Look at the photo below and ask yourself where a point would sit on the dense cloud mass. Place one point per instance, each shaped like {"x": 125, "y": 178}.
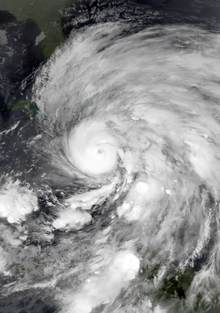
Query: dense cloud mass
{"x": 139, "y": 118}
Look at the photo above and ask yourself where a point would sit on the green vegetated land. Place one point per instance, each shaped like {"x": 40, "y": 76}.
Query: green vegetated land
{"x": 27, "y": 106}
{"x": 47, "y": 14}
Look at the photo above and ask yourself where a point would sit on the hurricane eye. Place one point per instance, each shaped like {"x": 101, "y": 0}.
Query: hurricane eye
{"x": 99, "y": 151}
{"x": 93, "y": 148}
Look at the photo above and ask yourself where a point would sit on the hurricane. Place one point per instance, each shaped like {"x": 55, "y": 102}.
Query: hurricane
{"x": 125, "y": 206}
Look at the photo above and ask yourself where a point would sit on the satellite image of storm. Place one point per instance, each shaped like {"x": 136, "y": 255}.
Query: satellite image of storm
{"x": 109, "y": 156}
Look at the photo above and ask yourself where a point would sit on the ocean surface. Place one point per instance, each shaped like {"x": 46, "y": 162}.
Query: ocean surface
{"x": 110, "y": 158}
